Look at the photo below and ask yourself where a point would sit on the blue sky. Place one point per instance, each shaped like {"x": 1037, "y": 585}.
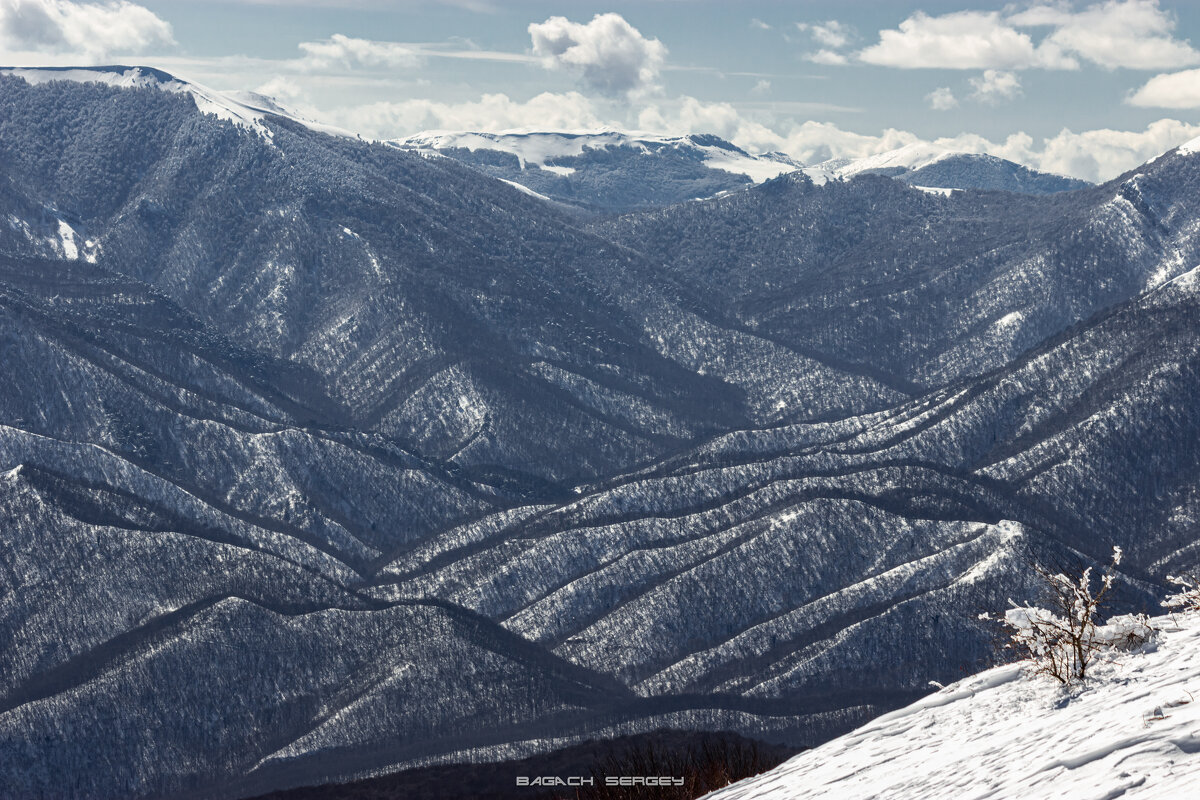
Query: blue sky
{"x": 1082, "y": 88}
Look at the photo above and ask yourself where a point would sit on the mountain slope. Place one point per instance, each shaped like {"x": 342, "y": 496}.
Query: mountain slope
{"x": 1133, "y": 731}
{"x": 430, "y": 304}
{"x": 918, "y": 289}
{"x": 973, "y": 171}
{"x": 282, "y": 398}
{"x": 607, "y": 171}
{"x": 931, "y": 166}
{"x": 805, "y": 553}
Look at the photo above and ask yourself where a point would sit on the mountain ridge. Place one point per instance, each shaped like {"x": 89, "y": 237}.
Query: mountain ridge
{"x": 696, "y": 467}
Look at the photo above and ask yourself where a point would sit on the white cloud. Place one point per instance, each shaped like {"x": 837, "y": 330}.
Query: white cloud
{"x": 471, "y": 5}
{"x": 689, "y": 115}
{"x": 610, "y": 55}
{"x": 994, "y": 86}
{"x": 1134, "y": 34}
{"x": 344, "y": 51}
{"x": 1096, "y": 155}
{"x": 758, "y": 24}
{"x": 341, "y": 54}
{"x": 1103, "y": 154}
{"x": 831, "y": 34}
{"x": 763, "y": 87}
{"x": 1173, "y": 90}
{"x": 941, "y": 99}
{"x": 961, "y": 40}
{"x": 1131, "y": 34}
{"x": 492, "y": 112}
{"x": 813, "y": 142}
{"x": 827, "y": 57}
{"x": 92, "y": 30}
{"x": 281, "y": 88}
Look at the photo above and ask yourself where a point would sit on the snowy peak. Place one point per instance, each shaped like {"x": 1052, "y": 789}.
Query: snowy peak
{"x": 608, "y": 170}
{"x": 908, "y": 158}
{"x": 620, "y": 171}
{"x": 979, "y": 171}
{"x": 246, "y": 109}
{"x": 1132, "y": 731}
{"x": 123, "y": 77}
{"x": 925, "y": 165}
{"x": 543, "y": 149}
{"x": 1187, "y": 148}
{"x": 116, "y": 75}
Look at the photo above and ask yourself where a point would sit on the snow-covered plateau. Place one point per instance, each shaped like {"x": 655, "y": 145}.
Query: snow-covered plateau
{"x": 1132, "y": 730}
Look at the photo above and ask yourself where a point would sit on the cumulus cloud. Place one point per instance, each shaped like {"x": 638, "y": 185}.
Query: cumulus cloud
{"x": 281, "y": 88}
{"x": 831, "y": 34}
{"x": 961, "y": 40}
{"x": 994, "y": 86}
{"x": 689, "y": 115}
{"x": 941, "y": 99}
{"x": 1103, "y": 154}
{"x": 831, "y": 37}
{"x": 492, "y": 112}
{"x": 831, "y": 57}
{"x": 1134, "y": 34}
{"x": 758, "y": 24}
{"x": 343, "y": 51}
{"x": 610, "y": 55}
{"x": 1172, "y": 90}
{"x": 1096, "y": 155}
{"x": 90, "y": 30}
{"x": 813, "y": 142}
{"x": 1131, "y": 34}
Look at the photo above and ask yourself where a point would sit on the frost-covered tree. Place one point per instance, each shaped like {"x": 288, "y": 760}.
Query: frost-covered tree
{"x": 1188, "y": 596}
{"x": 1064, "y": 640}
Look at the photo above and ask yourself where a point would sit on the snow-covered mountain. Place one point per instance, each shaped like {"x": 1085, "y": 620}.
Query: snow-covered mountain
{"x": 607, "y": 170}
{"x": 1133, "y": 731}
{"x": 612, "y": 171}
{"x": 247, "y": 109}
{"x": 926, "y": 165}
{"x": 502, "y": 477}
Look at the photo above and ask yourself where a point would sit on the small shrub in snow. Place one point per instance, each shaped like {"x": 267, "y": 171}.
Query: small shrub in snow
{"x": 1126, "y": 632}
{"x": 1063, "y": 641}
{"x": 1188, "y": 596}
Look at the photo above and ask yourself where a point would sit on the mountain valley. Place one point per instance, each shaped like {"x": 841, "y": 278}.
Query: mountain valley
{"x": 322, "y": 458}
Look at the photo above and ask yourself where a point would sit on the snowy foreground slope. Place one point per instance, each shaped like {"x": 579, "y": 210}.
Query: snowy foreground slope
{"x": 1132, "y": 731}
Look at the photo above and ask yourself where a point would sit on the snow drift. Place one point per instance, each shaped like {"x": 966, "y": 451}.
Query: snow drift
{"x": 1132, "y": 730}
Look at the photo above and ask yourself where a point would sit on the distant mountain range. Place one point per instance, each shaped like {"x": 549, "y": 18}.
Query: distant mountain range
{"x": 322, "y": 457}
{"x": 611, "y": 171}
{"x": 607, "y": 171}
{"x": 925, "y": 165}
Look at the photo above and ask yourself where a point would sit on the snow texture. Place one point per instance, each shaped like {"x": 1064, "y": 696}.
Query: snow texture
{"x": 1133, "y": 731}
{"x": 934, "y": 169}
{"x": 321, "y": 408}
{"x": 535, "y": 149}
{"x": 245, "y": 109}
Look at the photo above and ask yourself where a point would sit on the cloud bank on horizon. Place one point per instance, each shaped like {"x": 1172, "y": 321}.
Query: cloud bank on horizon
{"x": 611, "y": 75}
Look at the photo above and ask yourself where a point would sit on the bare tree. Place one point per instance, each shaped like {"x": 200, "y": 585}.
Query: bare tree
{"x": 1062, "y": 640}
{"x": 1188, "y": 596}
